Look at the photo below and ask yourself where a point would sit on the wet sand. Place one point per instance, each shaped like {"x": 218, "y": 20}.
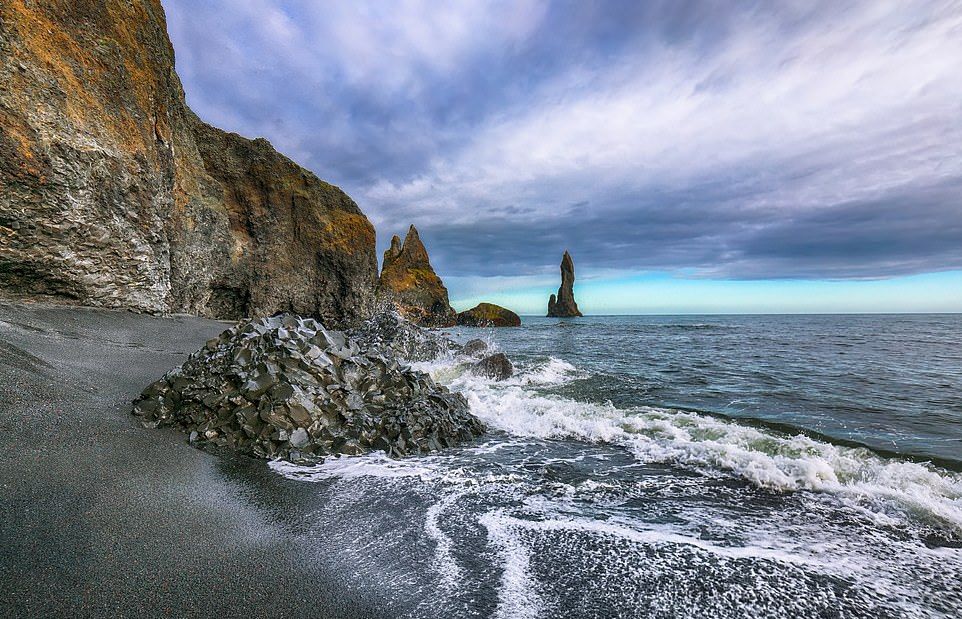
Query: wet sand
{"x": 101, "y": 517}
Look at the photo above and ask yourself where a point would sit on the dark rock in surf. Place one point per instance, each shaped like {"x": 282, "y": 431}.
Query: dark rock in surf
{"x": 564, "y": 306}
{"x": 496, "y": 366}
{"x": 285, "y": 387}
{"x": 488, "y": 315}
{"x": 474, "y": 348}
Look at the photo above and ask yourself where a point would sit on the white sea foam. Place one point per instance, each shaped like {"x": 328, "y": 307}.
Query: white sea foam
{"x": 883, "y": 488}
{"x": 374, "y": 464}
{"x": 444, "y": 562}
{"x": 770, "y": 460}
{"x": 517, "y": 597}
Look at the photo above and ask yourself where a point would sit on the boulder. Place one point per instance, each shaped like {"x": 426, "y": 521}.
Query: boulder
{"x": 474, "y": 348}
{"x": 488, "y": 315}
{"x": 564, "y": 305}
{"x": 408, "y": 282}
{"x": 496, "y": 366}
{"x": 285, "y": 387}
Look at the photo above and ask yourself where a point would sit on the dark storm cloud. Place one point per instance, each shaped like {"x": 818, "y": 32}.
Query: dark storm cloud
{"x": 748, "y": 140}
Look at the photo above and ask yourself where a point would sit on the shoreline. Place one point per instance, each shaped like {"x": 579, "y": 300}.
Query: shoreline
{"x": 101, "y": 516}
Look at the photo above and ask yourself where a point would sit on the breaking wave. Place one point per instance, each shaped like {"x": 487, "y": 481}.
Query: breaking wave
{"x": 886, "y": 487}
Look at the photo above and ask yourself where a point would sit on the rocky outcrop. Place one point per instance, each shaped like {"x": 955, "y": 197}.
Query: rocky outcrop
{"x": 564, "y": 305}
{"x": 284, "y": 387}
{"x": 114, "y": 194}
{"x": 488, "y": 315}
{"x": 387, "y": 333}
{"x": 409, "y": 283}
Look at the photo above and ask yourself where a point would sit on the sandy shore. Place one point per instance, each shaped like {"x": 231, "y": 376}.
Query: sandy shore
{"x": 101, "y": 517}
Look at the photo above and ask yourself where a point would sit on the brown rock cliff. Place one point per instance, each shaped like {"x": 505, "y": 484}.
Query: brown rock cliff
{"x": 114, "y": 194}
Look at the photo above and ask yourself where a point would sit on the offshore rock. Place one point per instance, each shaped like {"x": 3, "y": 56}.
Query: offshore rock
{"x": 114, "y": 194}
{"x": 496, "y": 366}
{"x": 389, "y": 333}
{"x": 488, "y": 315}
{"x": 564, "y": 306}
{"x": 285, "y": 387}
{"x": 409, "y": 282}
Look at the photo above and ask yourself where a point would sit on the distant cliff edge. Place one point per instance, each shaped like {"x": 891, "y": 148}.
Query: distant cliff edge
{"x": 114, "y": 194}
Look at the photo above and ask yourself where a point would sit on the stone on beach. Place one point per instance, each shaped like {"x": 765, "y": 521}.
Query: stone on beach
{"x": 285, "y": 387}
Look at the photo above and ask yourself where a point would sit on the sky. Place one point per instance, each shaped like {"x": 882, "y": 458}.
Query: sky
{"x": 796, "y": 156}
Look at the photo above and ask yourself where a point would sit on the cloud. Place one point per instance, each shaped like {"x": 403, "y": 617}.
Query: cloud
{"x": 748, "y": 140}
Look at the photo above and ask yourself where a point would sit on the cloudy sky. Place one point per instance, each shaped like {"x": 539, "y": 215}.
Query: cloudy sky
{"x": 692, "y": 156}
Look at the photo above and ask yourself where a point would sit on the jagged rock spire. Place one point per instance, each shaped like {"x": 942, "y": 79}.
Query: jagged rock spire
{"x": 564, "y": 304}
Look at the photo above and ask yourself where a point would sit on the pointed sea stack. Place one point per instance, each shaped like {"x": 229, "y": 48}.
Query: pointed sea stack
{"x": 564, "y": 306}
{"x": 409, "y": 281}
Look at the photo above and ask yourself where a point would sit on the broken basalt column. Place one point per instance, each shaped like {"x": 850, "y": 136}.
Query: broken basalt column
{"x": 564, "y": 305}
{"x": 388, "y": 333}
{"x": 284, "y": 387}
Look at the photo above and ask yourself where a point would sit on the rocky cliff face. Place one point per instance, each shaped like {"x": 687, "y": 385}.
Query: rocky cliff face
{"x": 113, "y": 193}
{"x": 409, "y": 282}
{"x": 564, "y": 305}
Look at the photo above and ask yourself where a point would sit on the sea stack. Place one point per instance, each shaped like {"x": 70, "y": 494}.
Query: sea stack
{"x": 410, "y": 283}
{"x": 564, "y": 305}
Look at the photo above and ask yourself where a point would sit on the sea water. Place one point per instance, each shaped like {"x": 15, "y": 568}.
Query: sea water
{"x": 663, "y": 466}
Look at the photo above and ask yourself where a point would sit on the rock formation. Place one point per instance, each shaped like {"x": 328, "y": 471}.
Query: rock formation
{"x": 113, "y": 193}
{"x": 474, "y": 348}
{"x": 564, "y": 306}
{"x": 389, "y": 334}
{"x": 284, "y": 387}
{"x": 410, "y": 283}
{"x": 496, "y": 366}
{"x": 488, "y": 315}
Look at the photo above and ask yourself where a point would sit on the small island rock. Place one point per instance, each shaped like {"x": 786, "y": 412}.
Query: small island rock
{"x": 488, "y": 315}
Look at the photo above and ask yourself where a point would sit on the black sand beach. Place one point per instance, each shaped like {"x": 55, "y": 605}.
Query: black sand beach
{"x": 101, "y": 517}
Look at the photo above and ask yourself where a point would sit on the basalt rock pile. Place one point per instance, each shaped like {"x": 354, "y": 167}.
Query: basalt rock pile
{"x": 284, "y": 387}
{"x": 390, "y": 334}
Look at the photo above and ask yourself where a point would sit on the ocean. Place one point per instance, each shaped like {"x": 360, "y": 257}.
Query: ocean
{"x": 675, "y": 466}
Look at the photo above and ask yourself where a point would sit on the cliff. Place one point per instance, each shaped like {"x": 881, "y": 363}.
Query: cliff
{"x": 408, "y": 281}
{"x": 114, "y": 194}
{"x": 564, "y": 305}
